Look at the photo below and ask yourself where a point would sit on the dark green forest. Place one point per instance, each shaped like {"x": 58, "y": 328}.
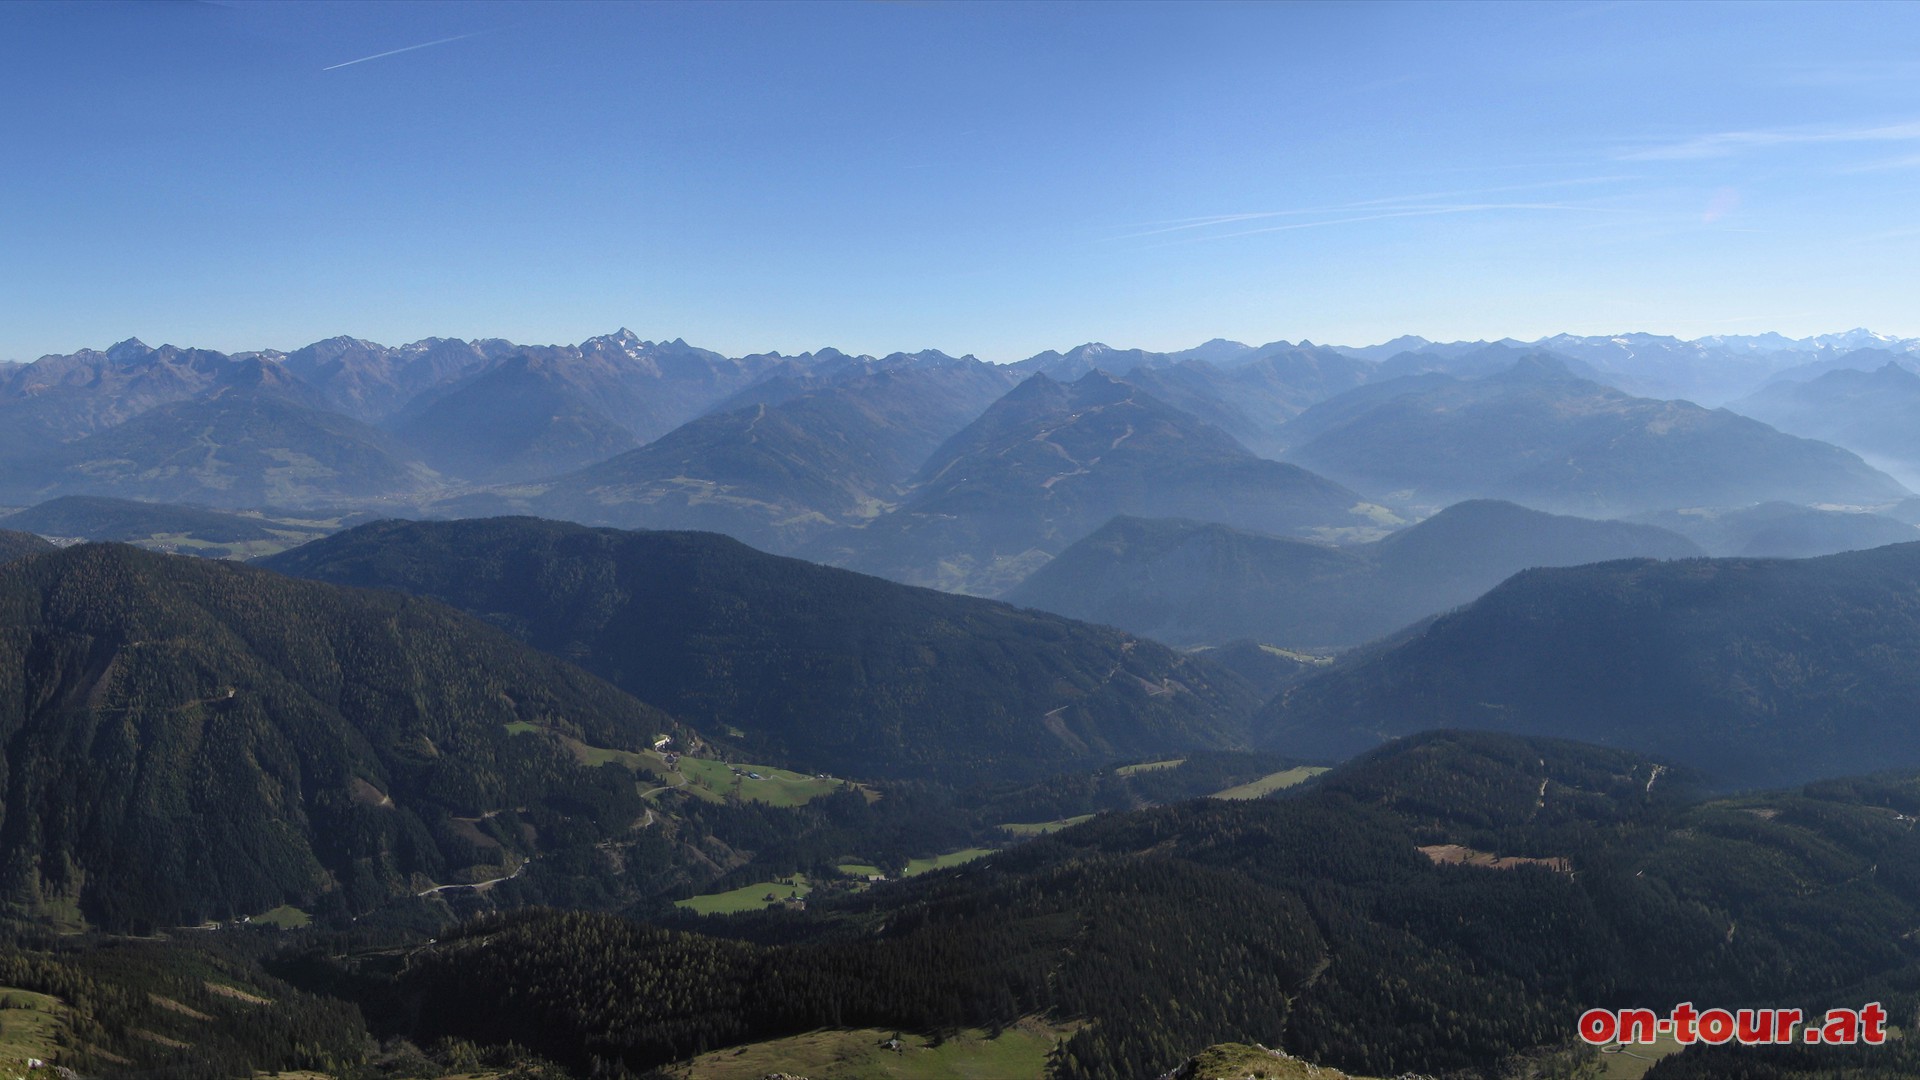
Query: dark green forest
{"x": 1758, "y": 672}
{"x": 193, "y": 746}
{"x": 1313, "y": 922}
{"x": 819, "y": 668}
{"x": 190, "y": 740}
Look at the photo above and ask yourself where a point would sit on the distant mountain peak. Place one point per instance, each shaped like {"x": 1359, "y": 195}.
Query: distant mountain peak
{"x": 1037, "y": 383}
{"x": 1099, "y": 380}
{"x": 622, "y": 340}
{"x": 1218, "y": 351}
{"x": 255, "y": 373}
{"x": 131, "y": 349}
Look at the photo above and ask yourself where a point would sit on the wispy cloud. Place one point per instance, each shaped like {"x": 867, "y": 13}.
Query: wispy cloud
{"x": 1729, "y": 143}
{"x": 397, "y": 52}
{"x": 1408, "y": 212}
{"x": 1425, "y": 204}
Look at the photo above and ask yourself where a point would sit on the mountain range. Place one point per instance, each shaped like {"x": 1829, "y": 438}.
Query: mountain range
{"x": 1051, "y": 461}
{"x": 955, "y": 473}
{"x": 788, "y": 459}
{"x": 1868, "y": 412}
{"x": 1710, "y": 370}
{"x": 1539, "y": 435}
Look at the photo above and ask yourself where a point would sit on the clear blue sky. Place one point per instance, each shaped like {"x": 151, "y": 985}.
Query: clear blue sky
{"x": 984, "y": 178}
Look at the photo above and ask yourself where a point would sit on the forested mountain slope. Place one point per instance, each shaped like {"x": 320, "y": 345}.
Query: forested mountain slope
{"x": 822, "y": 668}
{"x": 14, "y": 544}
{"x": 1756, "y": 671}
{"x": 1193, "y": 583}
{"x": 191, "y": 739}
{"x": 1360, "y": 925}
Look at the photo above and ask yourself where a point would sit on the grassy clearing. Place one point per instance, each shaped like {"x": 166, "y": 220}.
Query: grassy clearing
{"x": 1633, "y": 1062}
{"x": 707, "y": 778}
{"x": 595, "y": 756}
{"x": 30, "y": 1027}
{"x": 521, "y": 727}
{"x": 749, "y": 897}
{"x": 1297, "y": 657}
{"x": 1149, "y": 766}
{"x": 1018, "y": 1053}
{"x": 182, "y": 544}
{"x": 775, "y": 787}
{"x": 1041, "y": 828}
{"x": 859, "y": 870}
{"x": 1271, "y": 783}
{"x": 941, "y": 862}
{"x": 286, "y": 917}
{"x": 1241, "y": 1060}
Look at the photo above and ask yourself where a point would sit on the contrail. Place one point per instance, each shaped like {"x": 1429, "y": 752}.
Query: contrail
{"x": 397, "y": 52}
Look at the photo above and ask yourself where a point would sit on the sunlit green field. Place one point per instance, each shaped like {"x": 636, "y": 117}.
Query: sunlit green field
{"x": 286, "y": 917}
{"x": 1017, "y": 1053}
{"x": 1149, "y": 766}
{"x": 30, "y": 1027}
{"x": 1041, "y": 828}
{"x": 748, "y": 897}
{"x": 703, "y": 778}
{"x": 1271, "y": 783}
{"x": 941, "y": 862}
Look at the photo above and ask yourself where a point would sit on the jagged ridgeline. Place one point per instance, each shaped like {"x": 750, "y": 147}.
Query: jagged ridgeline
{"x": 189, "y": 739}
{"x": 821, "y": 668}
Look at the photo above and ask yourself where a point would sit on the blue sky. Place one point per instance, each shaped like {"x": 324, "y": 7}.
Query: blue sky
{"x": 985, "y": 178}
